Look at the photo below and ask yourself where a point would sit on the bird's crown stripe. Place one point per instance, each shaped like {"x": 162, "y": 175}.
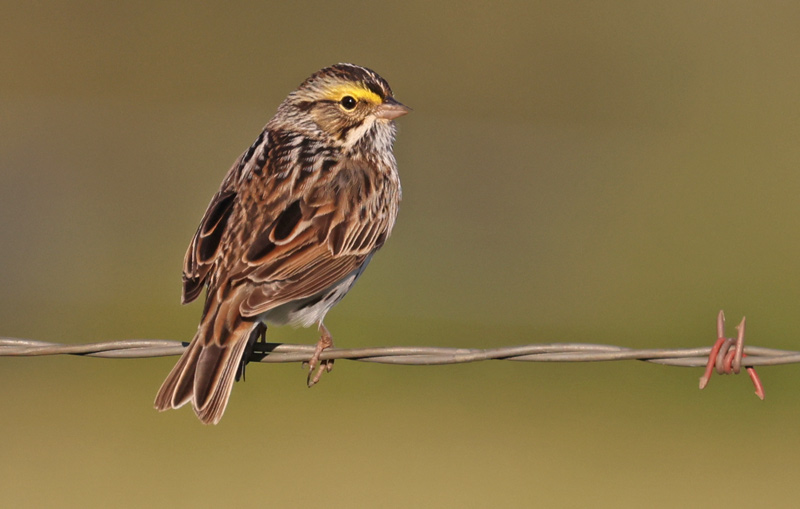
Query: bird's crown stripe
{"x": 357, "y": 92}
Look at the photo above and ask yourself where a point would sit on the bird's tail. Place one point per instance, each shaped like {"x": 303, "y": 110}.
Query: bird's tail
{"x": 207, "y": 369}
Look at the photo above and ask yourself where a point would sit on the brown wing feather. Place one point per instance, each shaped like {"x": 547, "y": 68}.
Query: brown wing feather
{"x": 323, "y": 233}
{"x": 204, "y": 249}
{"x": 301, "y": 239}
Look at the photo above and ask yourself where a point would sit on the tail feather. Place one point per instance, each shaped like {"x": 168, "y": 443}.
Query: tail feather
{"x": 211, "y": 407}
{"x": 207, "y": 369}
{"x": 176, "y": 390}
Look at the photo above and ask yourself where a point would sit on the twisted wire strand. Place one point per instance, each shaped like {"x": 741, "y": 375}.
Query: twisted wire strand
{"x": 405, "y": 355}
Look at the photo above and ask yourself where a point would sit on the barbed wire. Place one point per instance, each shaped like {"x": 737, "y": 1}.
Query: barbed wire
{"x": 407, "y": 355}
{"x": 727, "y": 355}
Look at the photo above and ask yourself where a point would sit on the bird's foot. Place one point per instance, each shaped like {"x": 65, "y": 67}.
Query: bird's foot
{"x": 257, "y": 336}
{"x": 315, "y": 364}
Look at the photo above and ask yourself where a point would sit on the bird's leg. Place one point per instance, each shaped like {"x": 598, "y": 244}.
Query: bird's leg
{"x": 257, "y": 335}
{"x": 325, "y": 341}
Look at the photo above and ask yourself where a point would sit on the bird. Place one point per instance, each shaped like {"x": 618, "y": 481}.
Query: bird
{"x": 293, "y": 225}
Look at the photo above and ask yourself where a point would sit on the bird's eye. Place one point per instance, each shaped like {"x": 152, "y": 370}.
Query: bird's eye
{"x": 348, "y": 102}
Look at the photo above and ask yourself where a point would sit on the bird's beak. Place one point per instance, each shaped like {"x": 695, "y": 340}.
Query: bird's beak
{"x": 391, "y": 109}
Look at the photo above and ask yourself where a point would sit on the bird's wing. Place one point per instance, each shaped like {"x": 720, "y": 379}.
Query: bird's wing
{"x": 319, "y": 236}
{"x": 205, "y": 248}
{"x": 298, "y": 233}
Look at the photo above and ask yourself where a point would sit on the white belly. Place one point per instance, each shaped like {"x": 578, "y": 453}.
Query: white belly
{"x": 312, "y": 310}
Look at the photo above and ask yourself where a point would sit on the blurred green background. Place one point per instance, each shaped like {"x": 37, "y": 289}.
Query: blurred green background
{"x": 610, "y": 172}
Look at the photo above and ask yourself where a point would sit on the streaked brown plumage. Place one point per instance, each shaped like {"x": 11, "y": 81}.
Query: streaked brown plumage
{"x": 295, "y": 222}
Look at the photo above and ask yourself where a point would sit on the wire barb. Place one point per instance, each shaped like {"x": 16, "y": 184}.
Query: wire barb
{"x": 728, "y": 360}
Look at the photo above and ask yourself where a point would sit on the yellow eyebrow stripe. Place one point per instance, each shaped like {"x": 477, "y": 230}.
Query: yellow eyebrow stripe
{"x": 362, "y": 94}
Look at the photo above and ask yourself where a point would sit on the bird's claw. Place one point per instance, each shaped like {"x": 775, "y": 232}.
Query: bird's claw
{"x": 316, "y": 366}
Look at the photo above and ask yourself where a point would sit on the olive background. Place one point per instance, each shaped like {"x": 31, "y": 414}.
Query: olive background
{"x": 604, "y": 172}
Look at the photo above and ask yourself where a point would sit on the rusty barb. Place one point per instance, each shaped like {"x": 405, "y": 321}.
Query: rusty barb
{"x": 726, "y": 356}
